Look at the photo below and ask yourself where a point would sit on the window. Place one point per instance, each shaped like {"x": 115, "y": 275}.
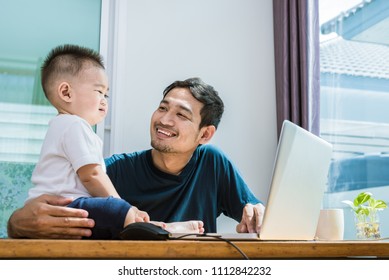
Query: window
{"x": 29, "y": 29}
{"x": 354, "y": 87}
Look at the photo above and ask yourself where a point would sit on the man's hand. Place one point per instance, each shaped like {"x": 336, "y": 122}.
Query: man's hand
{"x": 251, "y": 218}
{"x": 46, "y": 217}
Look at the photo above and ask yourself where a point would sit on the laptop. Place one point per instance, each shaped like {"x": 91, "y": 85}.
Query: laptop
{"x": 298, "y": 183}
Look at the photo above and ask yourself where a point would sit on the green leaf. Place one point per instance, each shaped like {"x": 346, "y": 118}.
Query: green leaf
{"x": 380, "y": 204}
{"x": 362, "y": 198}
{"x": 363, "y": 211}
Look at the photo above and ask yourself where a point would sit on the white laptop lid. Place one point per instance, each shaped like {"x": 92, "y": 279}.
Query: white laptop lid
{"x": 298, "y": 183}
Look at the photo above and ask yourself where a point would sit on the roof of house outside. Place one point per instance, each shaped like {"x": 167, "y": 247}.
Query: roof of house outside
{"x": 365, "y": 22}
{"x": 333, "y": 25}
{"x": 361, "y": 59}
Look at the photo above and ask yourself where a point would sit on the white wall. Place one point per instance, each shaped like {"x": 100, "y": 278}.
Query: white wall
{"x": 229, "y": 44}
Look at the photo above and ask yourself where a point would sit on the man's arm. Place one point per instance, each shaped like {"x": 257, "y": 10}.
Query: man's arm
{"x": 45, "y": 217}
{"x": 252, "y": 218}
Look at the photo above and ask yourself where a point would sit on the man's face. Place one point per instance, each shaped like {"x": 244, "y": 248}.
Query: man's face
{"x": 175, "y": 124}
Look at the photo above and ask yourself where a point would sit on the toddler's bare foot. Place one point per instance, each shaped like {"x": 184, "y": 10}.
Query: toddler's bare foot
{"x": 160, "y": 224}
{"x": 185, "y": 227}
{"x": 135, "y": 215}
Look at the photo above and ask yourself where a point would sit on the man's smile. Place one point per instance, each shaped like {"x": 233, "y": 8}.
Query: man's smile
{"x": 165, "y": 132}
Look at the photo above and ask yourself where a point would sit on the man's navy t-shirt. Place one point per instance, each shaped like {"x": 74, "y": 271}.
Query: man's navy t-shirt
{"x": 208, "y": 185}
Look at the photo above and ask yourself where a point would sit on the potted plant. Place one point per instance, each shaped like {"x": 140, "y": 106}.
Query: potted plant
{"x": 365, "y": 209}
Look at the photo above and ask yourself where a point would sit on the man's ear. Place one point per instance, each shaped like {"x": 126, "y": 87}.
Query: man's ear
{"x": 207, "y": 133}
{"x": 64, "y": 92}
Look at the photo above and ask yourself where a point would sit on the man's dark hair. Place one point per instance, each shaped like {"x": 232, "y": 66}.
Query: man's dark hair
{"x": 213, "y": 108}
{"x": 67, "y": 59}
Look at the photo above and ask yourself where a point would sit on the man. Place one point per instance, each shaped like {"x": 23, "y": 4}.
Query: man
{"x": 180, "y": 178}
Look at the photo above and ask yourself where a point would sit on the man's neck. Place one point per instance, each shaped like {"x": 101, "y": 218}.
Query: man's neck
{"x": 171, "y": 163}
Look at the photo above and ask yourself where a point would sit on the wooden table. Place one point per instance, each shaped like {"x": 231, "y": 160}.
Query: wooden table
{"x": 188, "y": 249}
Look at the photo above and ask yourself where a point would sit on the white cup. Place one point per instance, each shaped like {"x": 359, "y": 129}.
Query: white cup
{"x": 330, "y": 225}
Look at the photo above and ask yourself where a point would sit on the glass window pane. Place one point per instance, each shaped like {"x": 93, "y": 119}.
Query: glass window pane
{"x": 29, "y": 29}
{"x": 354, "y": 78}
